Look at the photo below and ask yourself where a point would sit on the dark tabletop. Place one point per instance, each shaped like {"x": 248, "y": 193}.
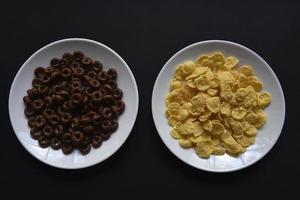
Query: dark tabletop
{"x": 146, "y": 35}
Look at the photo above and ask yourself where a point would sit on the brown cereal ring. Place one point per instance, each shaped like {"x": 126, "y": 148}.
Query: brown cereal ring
{"x": 48, "y": 100}
{"x": 54, "y": 119}
{"x": 121, "y": 106}
{"x": 42, "y": 90}
{"x": 85, "y": 99}
{"x": 68, "y": 57}
{"x": 31, "y": 122}
{"x": 37, "y": 104}
{"x": 77, "y": 98}
{"x": 35, "y": 133}
{"x": 77, "y": 137}
{"x": 108, "y": 89}
{"x": 48, "y": 112}
{"x": 67, "y": 105}
{"x": 78, "y": 55}
{"x": 105, "y": 135}
{"x": 106, "y": 113}
{"x": 76, "y": 84}
{"x": 55, "y": 143}
{"x": 88, "y": 129}
{"x": 66, "y": 138}
{"x": 64, "y": 93}
{"x": 97, "y": 96}
{"x": 40, "y": 121}
{"x": 87, "y": 78}
{"x": 32, "y": 93}
{"x": 29, "y": 112}
{"x": 66, "y": 73}
{"x": 49, "y": 70}
{"x": 102, "y": 76}
{"x": 57, "y": 99}
{"x": 84, "y": 120}
{"x": 54, "y": 76}
{"x": 85, "y": 149}
{"x": 117, "y": 94}
{"x": 67, "y": 149}
{"x": 36, "y": 82}
{"x": 78, "y": 72}
{"x": 74, "y": 65}
{"x": 27, "y": 101}
{"x": 106, "y": 125}
{"x": 47, "y": 131}
{"x": 96, "y": 120}
{"x": 112, "y": 83}
{"x": 55, "y": 63}
{"x": 94, "y": 83}
{"x": 58, "y": 130}
{"x": 97, "y": 141}
{"x": 91, "y": 114}
{"x": 63, "y": 62}
{"x": 89, "y": 91}
{"x": 112, "y": 73}
{"x": 56, "y": 89}
{"x": 46, "y": 79}
{"x": 97, "y": 66}
{"x": 44, "y": 142}
{"x": 108, "y": 100}
{"x": 87, "y": 61}
{"x": 114, "y": 125}
{"x": 39, "y": 71}
{"x": 65, "y": 118}
{"x": 92, "y": 74}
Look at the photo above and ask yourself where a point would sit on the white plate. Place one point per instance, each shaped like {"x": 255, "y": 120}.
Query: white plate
{"x": 22, "y": 82}
{"x": 267, "y": 136}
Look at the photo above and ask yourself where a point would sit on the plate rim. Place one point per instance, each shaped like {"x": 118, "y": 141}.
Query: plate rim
{"x": 155, "y": 86}
{"x": 18, "y": 74}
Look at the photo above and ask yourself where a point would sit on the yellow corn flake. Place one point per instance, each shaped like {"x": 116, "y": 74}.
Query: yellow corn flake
{"x": 246, "y": 141}
{"x": 238, "y": 113}
{"x": 207, "y": 63}
{"x": 215, "y": 140}
{"x": 202, "y": 83}
{"x": 173, "y": 120}
{"x": 255, "y": 83}
{"x": 195, "y": 140}
{"x": 250, "y": 130}
{"x": 261, "y": 119}
{"x": 246, "y": 70}
{"x": 173, "y": 108}
{"x": 204, "y": 149}
{"x": 204, "y": 116}
{"x": 185, "y": 143}
{"x": 231, "y": 145}
{"x": 217, "y": 128}
{"x": 197, "y": 72}
{"x": 212, "y": 92}
{"x": 213, "y": 104}
{"x": 188, "y": 67}
{"x": 183, "y": 114}
{"x": 214, "y": 107}
{"x": 225, "y": 108}
{"x": 264, "y": 99}
{"x": 218, "y": 57}
{"x": 201, "y": 58}
{"x": 218, "y": 150}
{"x": 231, "y": 62}
{"x": 207, "y": 125}
{"x": 226, "y": 77}
{"x": 175, "y": 134}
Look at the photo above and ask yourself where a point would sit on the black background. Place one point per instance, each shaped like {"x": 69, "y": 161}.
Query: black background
{"x": 146, "y": 35}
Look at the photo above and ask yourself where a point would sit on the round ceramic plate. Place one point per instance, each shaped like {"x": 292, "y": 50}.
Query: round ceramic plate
{"x": 266, "y": 137}
{"x": 22, "y": 82}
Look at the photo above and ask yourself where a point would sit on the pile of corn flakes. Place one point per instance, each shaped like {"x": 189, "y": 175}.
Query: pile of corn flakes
{"x": 215, "y": 107}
